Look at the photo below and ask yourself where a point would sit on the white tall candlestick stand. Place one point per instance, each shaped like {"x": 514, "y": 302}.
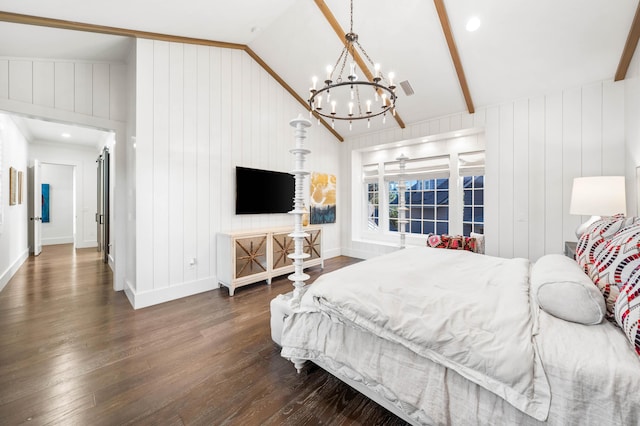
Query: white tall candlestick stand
{"x": 299, "y": 277}
{"x": 402, "y": 207}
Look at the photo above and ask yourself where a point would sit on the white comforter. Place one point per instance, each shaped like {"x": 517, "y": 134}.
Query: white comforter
{"x": 467, "y": 312}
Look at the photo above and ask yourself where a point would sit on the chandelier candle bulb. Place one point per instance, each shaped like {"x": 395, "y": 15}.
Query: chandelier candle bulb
{"x": 314, "y": 80}
{"x": 350, "y": 108}
{"x": 377, "y": 69}
{"x": 384, "y": 100}
{"x": 391, "y": 76}
{"x": 319, "y": 104}
{"x": 333, "y": 107}
{"x": 329, "y": 70}
{"x": 368, "y": 106}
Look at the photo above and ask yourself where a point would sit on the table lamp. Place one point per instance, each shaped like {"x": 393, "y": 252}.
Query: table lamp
{"x": 597, "y": 196}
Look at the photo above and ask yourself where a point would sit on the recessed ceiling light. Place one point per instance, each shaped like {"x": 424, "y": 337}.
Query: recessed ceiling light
{"x": 473, "y": 24}
{"x": 65, "y": 135}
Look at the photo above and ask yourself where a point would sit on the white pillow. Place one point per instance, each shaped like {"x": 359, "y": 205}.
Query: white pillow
{"x": 563, "y": 290}
{"x": 479, "y": 241}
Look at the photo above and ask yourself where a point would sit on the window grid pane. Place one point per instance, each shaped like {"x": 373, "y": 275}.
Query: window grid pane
{"x": 427, "y": 202}
{"x": 473, "y": 208}
{"x": 373, "y": 206}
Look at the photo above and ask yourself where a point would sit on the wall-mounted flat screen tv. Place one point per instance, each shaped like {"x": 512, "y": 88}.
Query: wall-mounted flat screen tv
{"x": 263, "y": 191}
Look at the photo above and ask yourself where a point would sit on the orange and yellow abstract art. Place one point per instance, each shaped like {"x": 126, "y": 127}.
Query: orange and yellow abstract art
{"x": 323, "y": 198}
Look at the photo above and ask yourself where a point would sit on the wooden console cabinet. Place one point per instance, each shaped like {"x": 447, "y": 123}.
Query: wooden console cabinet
{"x": 250, "y": 256}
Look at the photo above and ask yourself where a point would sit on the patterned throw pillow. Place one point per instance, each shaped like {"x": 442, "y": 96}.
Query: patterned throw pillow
{"x": 455, "y": 242}
{"x": 594, "y": 238}
{"x": 627, "y": 311}
{"x": 616, "y": 262}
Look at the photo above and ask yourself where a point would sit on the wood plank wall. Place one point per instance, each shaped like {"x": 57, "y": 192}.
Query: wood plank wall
{"x": 92, "y": 89}
{"x": 535, "y": 147}
{"x": 200, "y": 112}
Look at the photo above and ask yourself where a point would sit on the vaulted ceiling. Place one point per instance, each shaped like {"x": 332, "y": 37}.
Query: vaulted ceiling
{"x": 522, "y": 48}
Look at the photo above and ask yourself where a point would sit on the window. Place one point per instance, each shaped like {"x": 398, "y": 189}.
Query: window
{"x": 442, "y": 181}
{"x": 427, "y": 201}
{"x": 473, "y": 206}
{"x": 373, "y": 211}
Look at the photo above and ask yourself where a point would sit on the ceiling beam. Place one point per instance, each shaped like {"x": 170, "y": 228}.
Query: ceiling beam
{"x": 80, "y": 26}
{"x": 292, "y": 92}
{"x": 629, "y": 47}
{"x": 101, "y": 29}
{"x": 453, "y": 50}
{"x": 356, "y": 56}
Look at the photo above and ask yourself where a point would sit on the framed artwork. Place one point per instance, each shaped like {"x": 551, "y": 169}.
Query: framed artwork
{"x": 13, "y": 183}
{"x": 20, "y": 178}
{"x": 323, "y": 198}
{"x": 45, "y": 203}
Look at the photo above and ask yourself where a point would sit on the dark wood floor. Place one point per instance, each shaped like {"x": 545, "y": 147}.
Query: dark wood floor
{"x": 73, "y": 351}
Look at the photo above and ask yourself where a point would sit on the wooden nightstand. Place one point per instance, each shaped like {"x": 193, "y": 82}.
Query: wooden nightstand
{"x": 570, "y": 249}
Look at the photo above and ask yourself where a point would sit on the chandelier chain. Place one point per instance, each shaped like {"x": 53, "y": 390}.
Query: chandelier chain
{"x": 364, "y": 52}
{"x": 351, "y": 28}
{"x": 343, "y": 57}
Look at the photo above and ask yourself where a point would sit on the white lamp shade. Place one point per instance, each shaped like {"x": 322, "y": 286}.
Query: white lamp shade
{"x": 598, "y": 196}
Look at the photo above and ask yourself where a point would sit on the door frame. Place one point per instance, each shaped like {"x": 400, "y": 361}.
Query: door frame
{"x": 119, "y": 223}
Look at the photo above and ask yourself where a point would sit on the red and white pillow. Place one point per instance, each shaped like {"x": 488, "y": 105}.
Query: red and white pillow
{"x": 455, "y": 242}
{"x": 626, "y": 275}
{"x": 609, "y": 253}
{"x": 600, "y": 253}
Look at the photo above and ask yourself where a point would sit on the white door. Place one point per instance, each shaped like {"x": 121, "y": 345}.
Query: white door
{"x": 35, "y": 209}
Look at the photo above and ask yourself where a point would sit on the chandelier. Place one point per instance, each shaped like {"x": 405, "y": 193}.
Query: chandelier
{"x": 348, "y": 98}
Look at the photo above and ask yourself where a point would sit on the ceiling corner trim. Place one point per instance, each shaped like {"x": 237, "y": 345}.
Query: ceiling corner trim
{"x": 629, "y": 47}
{"x": 453, "y": 50}
{"x": 333, "y": 22}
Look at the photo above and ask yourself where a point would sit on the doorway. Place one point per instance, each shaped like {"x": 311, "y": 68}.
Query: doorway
{"x": 59, "y": 209}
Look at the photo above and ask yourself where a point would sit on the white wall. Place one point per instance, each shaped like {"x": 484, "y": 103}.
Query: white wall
{"x": 59, "y": 229}
{"x": 93, "y": 89}
{"x": 200, "y": 112}
{"x": 84, "y": 161}
{"x": 14, "y": 247}
{"x": 534, "y": 149}
{"x": 632, "y": 135}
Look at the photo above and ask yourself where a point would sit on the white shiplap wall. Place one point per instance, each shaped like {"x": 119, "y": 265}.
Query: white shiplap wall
{"x": 632, "y": 135}
{"x": 92, "y": 89}
{"x": 535, "y": 147}
{"x": 200, "y": 112}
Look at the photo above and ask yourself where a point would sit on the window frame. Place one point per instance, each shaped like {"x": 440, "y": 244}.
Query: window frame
{"x": 374, "y": 159}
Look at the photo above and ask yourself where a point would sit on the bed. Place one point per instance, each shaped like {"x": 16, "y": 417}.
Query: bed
{"x": 452, "y": 337}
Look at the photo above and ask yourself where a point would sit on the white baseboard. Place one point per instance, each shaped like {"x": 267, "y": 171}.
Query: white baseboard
{"x": 328, "y": 254}
{"x": 57, "y": 240}
{"x": 12, "y": 269}
{"x": 154, "y": 297}
{"x": 86, "y": 244}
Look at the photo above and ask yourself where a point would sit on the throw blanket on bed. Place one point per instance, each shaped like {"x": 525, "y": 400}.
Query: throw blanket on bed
{"x": 465, "y": 311}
